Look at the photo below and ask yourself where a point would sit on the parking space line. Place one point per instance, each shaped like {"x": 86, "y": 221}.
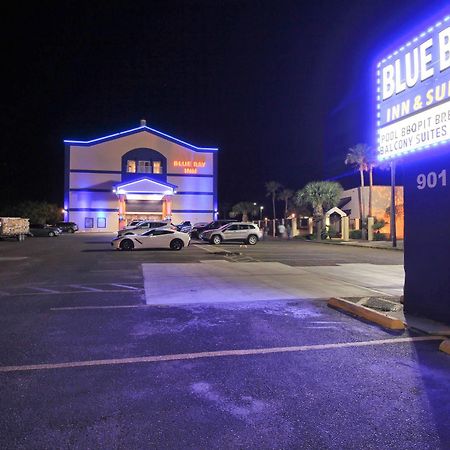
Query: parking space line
{"x": 124, "y": 286}
{"x": 213, "y": 354}
{"x": 78, "y": 308}
{"x": 204, "y": 247}
{"x": 44, "y": 290}
{"x": 97, "y": 291}
{"x": 87, "y": 288}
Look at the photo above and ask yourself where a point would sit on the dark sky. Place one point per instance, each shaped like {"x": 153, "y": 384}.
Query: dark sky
{"x": 258, "y": 79}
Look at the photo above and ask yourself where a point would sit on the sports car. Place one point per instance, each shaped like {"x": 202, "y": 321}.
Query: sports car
{"x": 156, "y": 238}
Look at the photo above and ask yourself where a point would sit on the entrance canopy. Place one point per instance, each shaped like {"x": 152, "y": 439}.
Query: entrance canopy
{"x": 145, "y": 189}
{"x": 335, "y": 210}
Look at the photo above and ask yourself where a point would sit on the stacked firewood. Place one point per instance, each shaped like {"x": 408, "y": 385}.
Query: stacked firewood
{"x": 14, "y": 226}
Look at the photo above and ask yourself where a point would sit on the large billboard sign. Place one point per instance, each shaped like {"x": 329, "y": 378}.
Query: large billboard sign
{"x": 413, "y": 94}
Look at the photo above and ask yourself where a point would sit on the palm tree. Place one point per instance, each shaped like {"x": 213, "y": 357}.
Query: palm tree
{"x": 272, "y": 188}
{"x": 285, "y": 195}
{"x": 372, "y": 162}
{"x": 319, "y": 195}
{"x": 244, "y": 208}
{"x": 357, "y": 156}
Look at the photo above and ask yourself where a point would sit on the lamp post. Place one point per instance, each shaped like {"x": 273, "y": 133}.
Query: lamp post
{"x": 392, "y": 218}
{"x": 260, "y": 212}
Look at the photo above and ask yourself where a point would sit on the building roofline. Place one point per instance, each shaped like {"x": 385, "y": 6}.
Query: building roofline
{"x": 152, "y": 180}
{"x": 138, "y": 130}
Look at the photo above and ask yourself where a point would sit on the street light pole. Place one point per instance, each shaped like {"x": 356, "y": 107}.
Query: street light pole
{"x": 260, "y": 212}
{"x": 392, "y": 219}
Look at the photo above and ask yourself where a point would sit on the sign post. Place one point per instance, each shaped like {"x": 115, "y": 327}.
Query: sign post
{"x": 413, "y": 122}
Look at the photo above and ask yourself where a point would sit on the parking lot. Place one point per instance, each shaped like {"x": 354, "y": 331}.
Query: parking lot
{"x": 210, "y": 347}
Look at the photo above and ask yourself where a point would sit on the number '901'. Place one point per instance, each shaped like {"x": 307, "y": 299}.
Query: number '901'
{"x": 431, "y": 180}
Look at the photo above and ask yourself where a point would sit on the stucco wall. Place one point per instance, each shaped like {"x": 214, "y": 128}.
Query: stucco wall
{"x": 90, "y": 185}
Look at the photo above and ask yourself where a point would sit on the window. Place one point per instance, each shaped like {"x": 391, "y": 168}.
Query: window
{"x": 157, "y": 167}
{"x": 101, "y": 222}
{"x": 232, "y": 228}
{"x": 88, "y": 222}
{"x": 144, "y": 167}
{"x": 161, "y": 232}
{"x": 131, "y": 166}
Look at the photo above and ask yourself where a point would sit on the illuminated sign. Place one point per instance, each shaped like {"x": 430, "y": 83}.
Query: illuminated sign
{"x": 190, "y": 166}
{"x": 413, "y": 94}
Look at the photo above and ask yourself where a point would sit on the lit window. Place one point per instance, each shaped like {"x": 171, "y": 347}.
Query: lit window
{"x": 131, "y": 166}
{"x": 144, "y": 167}
{"x": 157, "y": 167}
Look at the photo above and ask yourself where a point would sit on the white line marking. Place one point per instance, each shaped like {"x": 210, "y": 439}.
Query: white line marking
{"x": 49, "y": 291}
{"x": 76, "y": 308}
{"x": 325, "y": 322}
{"x": 85, "y": 288}
{"x": 71, "y": 292}
{"x": 187, "y": 356}
{"x": 213, "y": 250}
{"x": 124, "y": 286}
{"x": 322, "y": 328}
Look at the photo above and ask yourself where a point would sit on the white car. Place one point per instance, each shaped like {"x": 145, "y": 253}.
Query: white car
{"x": 156, "y": 238}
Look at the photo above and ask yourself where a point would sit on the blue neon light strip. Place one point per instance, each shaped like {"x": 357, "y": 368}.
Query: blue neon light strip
{"x": 414, "y": 40}
{"x": 95, "y": 209}
{"x": 138, "y": 129}
{"x": 151, "y": 180}
{"x": 88, "y": 190}
{"x": 118, "y": 172}
{"x": 194, "y": 193}
{"x": 208, "y": 211}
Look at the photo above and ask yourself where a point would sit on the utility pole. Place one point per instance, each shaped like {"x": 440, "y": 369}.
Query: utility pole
{"x": 392, "y": 224}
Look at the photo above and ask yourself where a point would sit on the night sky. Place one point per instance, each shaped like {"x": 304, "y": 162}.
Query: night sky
{"x": 281, "y": 87}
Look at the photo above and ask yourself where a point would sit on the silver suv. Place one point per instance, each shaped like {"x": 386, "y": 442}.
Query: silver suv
{"x": 236, "y": 231}
{"x": 144, "y": 226}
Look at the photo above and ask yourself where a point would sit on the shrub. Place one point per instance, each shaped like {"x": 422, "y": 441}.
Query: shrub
{"x": 380, "y": 237}
{"x": 355, "y": 234}
{"x": 378, "y": 224}
{"x": 334, "y": 234}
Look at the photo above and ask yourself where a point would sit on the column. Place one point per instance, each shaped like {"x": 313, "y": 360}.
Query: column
{"x": 167, "y": 207}
{"x": 122, "y": 211}
{"x": 345, "y": 228}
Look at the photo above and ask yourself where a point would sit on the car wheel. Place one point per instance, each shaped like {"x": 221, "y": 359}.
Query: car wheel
{"x": 127, "y": 244}
{"x": 176, "y": 244}
{"x": 51, "y": 233}
{"x": 216, "y": 240}
{"x": 252, "y": 239}
{"x": 71, "y": 230}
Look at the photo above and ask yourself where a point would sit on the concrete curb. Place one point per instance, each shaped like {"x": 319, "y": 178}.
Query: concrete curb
{"x": 445, "y": 346}
{"x": 351, "y": 244}
{"x": 366, "y": 313}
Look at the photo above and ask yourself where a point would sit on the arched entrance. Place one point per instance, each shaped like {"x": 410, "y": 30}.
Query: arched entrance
{"x": 144, "y": 199}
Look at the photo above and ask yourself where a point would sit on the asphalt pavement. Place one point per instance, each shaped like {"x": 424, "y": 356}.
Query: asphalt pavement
{"x": 86, "y": 361}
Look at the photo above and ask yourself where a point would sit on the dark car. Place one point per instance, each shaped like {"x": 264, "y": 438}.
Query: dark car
{"x": 37, "y": 229}
{"x": 184, "y": 227}
{"x": 195, "y": 233}
{"x": 67, "y": 227}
